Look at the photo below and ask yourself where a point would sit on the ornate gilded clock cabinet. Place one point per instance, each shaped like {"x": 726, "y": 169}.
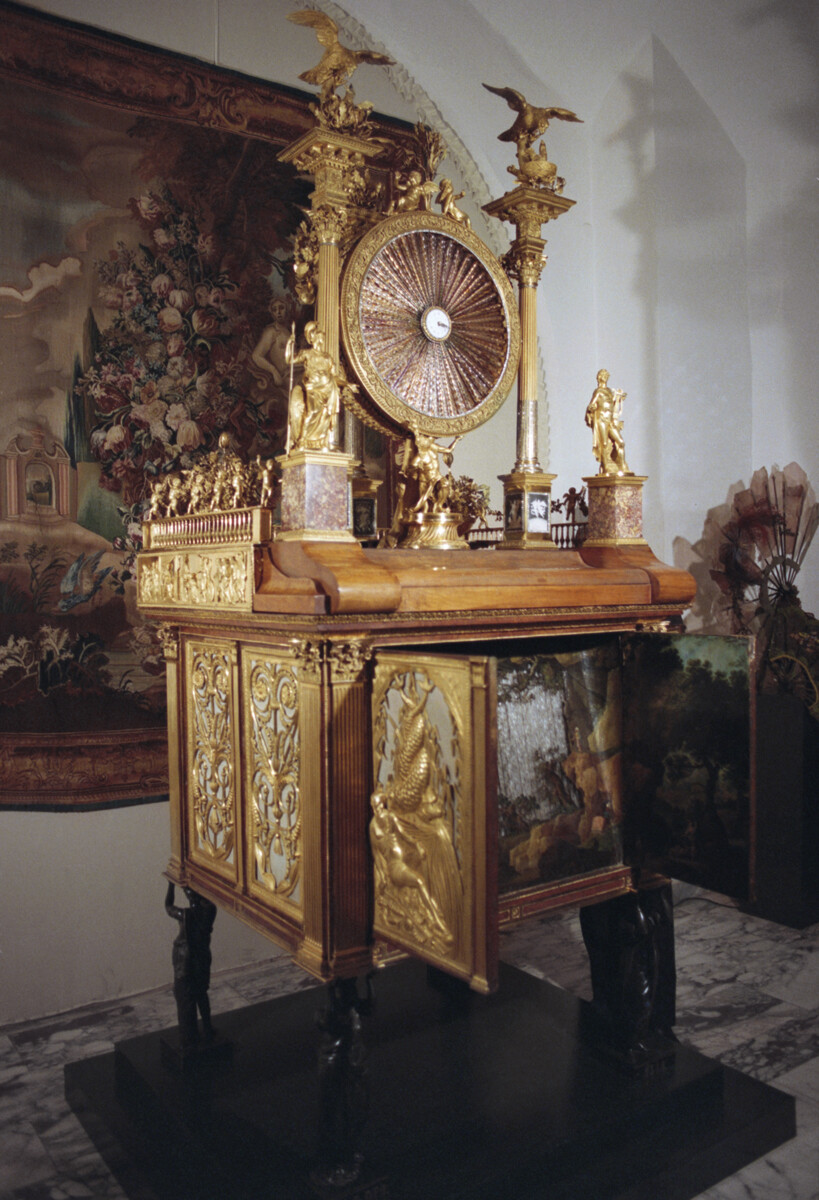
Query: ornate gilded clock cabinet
{"x": 387, "y": 744}
{"x": 334, "y": 708}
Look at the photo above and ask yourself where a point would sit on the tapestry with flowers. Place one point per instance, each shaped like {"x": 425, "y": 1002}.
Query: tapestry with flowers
{"x": 146, "y": 233}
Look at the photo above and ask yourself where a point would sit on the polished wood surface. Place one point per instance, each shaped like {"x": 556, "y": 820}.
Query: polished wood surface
{"x": 316, "y": 578}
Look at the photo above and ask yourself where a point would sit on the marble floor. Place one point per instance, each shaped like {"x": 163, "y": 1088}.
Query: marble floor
{"x": 748, "y": 994}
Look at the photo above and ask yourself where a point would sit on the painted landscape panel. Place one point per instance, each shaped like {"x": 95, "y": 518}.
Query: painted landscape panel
{"x": 559, "y": 764}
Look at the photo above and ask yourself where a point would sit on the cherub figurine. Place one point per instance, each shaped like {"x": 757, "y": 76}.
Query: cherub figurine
{"x": 603, "y": 418}
{"x": 447, "y": 197}
{"x": 267, "y": 477}
{"x": 412, "y": 192}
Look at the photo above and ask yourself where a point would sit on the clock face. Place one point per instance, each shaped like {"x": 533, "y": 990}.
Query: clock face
{"x": 436, "y": 323}
{"x": 429, "y": 324}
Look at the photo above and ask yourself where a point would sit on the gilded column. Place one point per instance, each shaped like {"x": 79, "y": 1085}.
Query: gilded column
{"x": 525, "y": 263}
{"x": 527, "y": 498}
{"x": 329, "y": 223}
{"x": 169, "y": 637}
{"x": 537, "y": 199}
{"x": 316, "y": 483}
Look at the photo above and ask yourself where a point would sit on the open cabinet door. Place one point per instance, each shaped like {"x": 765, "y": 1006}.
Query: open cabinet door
{"x": 434, "y": 823}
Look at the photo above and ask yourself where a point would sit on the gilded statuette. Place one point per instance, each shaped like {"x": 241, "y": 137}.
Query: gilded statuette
{"x": 533, "y": 166}
{"x": 314, "y": 403}
{"x": 333, "y": 70}
{"x": 428, "y": 512}
{"x": 603, "y": 417}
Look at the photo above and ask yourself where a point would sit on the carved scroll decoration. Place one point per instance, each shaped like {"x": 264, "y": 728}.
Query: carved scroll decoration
{"x": 211, "y": 785}
{"x": 416, "y": 827}
{"x": 272, "y": 751}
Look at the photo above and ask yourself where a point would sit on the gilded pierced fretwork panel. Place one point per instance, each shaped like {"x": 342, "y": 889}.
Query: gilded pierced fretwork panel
{"x": 271, "y": 755}
{"x": 221, "y": 580}
{"x": 211, "y": 755}
{"x": 420, "y": 830}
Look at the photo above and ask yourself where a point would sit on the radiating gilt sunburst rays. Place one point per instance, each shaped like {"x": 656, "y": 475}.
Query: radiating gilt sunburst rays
{"x": 411, "y": 273}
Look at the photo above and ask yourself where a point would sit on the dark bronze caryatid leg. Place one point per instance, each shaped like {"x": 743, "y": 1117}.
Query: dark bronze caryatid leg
{"x": 630, "y": 942}
{"x": 343, "y": 1086}
{"x": 191, "y": 976}
{"x": 658, "y": 906}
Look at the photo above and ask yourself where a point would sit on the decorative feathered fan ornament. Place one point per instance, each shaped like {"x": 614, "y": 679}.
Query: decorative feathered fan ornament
{"x": 761, "y": 548}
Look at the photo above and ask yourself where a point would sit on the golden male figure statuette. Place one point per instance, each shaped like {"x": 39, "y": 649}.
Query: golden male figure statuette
{"x": 603, "y": 417}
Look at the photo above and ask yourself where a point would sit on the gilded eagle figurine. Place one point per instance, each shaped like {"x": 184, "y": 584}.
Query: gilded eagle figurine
{"x": 530, "y": 122}
{"x": 337, "y": 63}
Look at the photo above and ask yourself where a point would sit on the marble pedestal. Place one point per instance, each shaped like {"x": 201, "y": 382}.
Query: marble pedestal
{"x": 316, "y": 498}
{"x": 615, "y": 510}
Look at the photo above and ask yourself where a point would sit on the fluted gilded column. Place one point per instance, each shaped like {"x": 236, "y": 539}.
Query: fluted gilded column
{"x": 527, "y": 489}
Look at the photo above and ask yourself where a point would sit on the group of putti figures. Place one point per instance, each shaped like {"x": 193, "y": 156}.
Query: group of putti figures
{"x": 219, "y": 482}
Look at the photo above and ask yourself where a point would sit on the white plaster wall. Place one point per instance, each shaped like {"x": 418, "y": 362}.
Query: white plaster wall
{"x": 688, "y": 268}
{"x": 82, "y": 910}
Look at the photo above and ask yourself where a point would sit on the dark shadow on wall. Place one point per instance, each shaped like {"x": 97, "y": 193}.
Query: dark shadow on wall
{"x": 785, "y": 246}
{"x": 801, "y": 18}
{"x": 686, "y": 205}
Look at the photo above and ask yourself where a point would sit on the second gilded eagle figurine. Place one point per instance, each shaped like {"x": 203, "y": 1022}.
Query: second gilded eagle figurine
{"x": 530, "y": 122}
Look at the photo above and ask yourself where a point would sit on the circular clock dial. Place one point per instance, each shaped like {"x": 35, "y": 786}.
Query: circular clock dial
{"x": 436, "y": 324}
{"x": 429, "y": 325}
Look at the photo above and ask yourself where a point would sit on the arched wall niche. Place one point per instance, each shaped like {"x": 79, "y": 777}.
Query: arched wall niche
{"x": 39, "y": 483}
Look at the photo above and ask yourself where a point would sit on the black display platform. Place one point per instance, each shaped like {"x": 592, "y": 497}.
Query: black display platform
{"x": 469, "y": 1097}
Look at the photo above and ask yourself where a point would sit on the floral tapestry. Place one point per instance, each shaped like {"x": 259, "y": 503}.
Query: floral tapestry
{"x": 145, "y": 251}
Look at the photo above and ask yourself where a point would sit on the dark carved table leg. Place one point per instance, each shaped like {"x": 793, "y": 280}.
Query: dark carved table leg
{"x": 630, "y": 943}
{"x": 658, "y": 906}
{"x": 191, "y": 980}
{"x": 343, "y": 1087}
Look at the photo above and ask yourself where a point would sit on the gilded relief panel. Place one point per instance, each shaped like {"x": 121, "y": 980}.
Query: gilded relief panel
{"x": 211, "y": 755}
{"x": 189, "y": 579}
{"x": 428, "y": 810}
{"x": 271, "y": 746}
